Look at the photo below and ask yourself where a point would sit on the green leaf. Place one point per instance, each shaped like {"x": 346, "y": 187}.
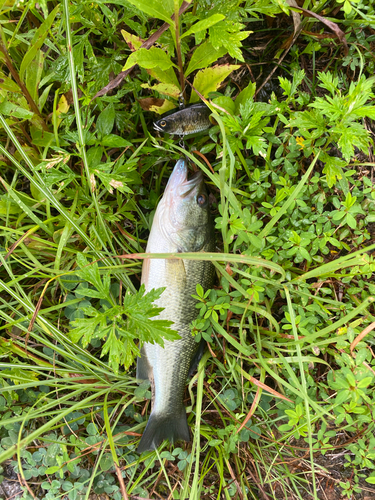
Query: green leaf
{"x": 120, "y": 349}
{"x": 151, "y": 58}
{"x": 226, "y": 103}
{"x": 350, "y": 220}
{"x": 161, "y": 9}
{"x": 8, "y": 84}
{"x": 106, "y": 120}
{"x": 204, "y": 24}
{"x": 208, "y": 80}
{"x": 165, "y": 76}
{"x": 37, "y": 41}
{"x": 52, "y": 470}
{"x": 106, "y": 462}
{"x": 33, "y": 74}
{"x": 89, "y": 292}
{"x": 305, "y": 254}
{"x": 8, "y": 108}
{"x": 90, "y": 273}
{"x": 229, "y": 35}
{"x": 113, "y": 181}
{"x": 115, "y": 141}
{"x": 134, "y": 42}
{"x": 203, "y": 56}
{"x": 245, "y": 95}
{"x": 365, "y": 382}
{"x": 333, "y": 169}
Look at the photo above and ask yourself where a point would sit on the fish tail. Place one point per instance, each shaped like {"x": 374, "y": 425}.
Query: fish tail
{"x": 160, "y": 427}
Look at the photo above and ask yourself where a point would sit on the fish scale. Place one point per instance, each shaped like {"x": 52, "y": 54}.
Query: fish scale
{"x": 180, "y": 225}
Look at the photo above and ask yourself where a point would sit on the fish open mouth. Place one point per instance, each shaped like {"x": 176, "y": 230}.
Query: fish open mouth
{"x": 191, "y": 182}
{"x": 181, "y": 181}
{"x": 157, "y": 128}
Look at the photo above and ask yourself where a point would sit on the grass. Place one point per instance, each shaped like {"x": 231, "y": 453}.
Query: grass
{"x": 287, "y": 381}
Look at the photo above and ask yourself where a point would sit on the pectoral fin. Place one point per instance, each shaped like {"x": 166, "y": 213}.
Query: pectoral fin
{"x": 176, "y": 272}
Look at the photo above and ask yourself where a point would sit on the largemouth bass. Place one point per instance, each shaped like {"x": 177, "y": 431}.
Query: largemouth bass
{"x": 182, "y": 223}
{"x": 192, "y": 119}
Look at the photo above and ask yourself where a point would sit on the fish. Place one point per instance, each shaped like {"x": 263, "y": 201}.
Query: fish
{"x": 182, "y": 223}
{"x": 189, "y": 120}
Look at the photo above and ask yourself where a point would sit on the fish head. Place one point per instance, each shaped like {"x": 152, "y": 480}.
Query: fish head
{"x": 185, "y": 212}
{"x": 169, "y": 124}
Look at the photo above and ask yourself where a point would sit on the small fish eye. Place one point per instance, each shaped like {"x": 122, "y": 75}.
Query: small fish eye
{"x": 163, "y": 123}
{"x": 201, "y": 200}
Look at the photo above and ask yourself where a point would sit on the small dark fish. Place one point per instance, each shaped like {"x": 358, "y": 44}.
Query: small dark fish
{"x": 189, "y": 120}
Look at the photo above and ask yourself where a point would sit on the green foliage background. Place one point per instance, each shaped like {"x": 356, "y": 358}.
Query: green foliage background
{"x": 290, "y": 365}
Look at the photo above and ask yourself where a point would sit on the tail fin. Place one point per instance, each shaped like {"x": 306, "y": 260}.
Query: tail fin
{"x": 160, "y": 427}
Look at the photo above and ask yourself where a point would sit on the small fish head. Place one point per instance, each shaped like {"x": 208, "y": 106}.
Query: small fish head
{"x": 166, "y": 125}
{"x": 186, "y": 209}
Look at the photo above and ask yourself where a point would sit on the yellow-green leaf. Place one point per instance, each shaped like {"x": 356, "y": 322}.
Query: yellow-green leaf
{"x": 151, "y": 58}
{"x": 134, "y": 42}
{"x": 208, "y": 80}
{"x": 166, "y": 106}
{"x": 164, "y": 88}
{"x": 8, "y": 84}
{"x": 62, "y": 108}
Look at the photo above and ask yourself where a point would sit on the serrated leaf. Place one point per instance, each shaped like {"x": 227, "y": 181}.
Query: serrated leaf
{"x": 164, "y": 76}
{"x": 333, "y": 169}
{"x": 120, "y": 350}
{"x": 245, "y": 95}
{"x": 90, "y": 273}
{"x": 204, "y": 24}
{"x": 203, "y": 56}
{"x": 113, "y": 181}
{"x": 208, "y": 80}
{"x": 134, "y": 42}
{"x": 229, "y": 35}
{"x": 161, "y": 9}
{"x": 149, "y": 58}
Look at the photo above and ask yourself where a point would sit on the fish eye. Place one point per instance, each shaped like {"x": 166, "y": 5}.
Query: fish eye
{"x": 202, "y": 200}
{"x": 163, "y": 123}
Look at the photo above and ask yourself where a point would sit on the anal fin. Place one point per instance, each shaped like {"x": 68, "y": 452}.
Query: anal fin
{"x": 143, "y": 367}
{"x": 197, "y": 357}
